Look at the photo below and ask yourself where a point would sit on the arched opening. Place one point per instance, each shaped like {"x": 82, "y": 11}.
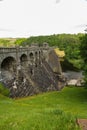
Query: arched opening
{"x": 8, "y": 67}
{"x": 24, "y": 60}
{"x": 31, "y": 55}
{"x": 36, "y": 54}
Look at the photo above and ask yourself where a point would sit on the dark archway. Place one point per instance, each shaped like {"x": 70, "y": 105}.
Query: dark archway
{"x": 36, "y": 54}
{"x": 8, "y": 67}
{"x": 31, "y": 56}
{"x": 24, "y": 60}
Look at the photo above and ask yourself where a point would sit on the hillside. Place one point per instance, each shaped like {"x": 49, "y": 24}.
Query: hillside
{"x": 48, "y": 111}
{"x": 7, "y": 42}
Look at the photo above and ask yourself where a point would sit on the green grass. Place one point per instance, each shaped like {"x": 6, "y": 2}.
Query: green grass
{"x": 3, "y": 90}
{"x": 47, "y": 111}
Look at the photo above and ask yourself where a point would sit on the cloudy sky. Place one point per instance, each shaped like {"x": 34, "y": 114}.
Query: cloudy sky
{"x": 24, "y": 18}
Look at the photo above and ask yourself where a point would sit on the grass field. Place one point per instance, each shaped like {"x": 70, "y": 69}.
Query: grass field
{"x": 47, "y": 111}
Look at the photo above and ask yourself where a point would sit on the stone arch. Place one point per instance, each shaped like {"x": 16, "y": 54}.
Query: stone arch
{"x": 8, "y": 67}
{"x": 31, "y": 55}
{"x": 39, "y": 53}
{"x": 8, "y": 63}
{"x": 24, "y": 60}
{"x": 36, "y": 54}
{"x": 31, "y": 62}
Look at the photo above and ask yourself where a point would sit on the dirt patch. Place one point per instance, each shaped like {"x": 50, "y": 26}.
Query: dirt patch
{"x": 82, "y": 123}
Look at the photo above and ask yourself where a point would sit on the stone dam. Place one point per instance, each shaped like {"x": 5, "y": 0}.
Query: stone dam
{"x": 30, "y": 70}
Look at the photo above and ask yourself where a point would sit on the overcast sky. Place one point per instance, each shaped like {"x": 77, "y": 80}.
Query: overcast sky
{"x": 24, "y": 18}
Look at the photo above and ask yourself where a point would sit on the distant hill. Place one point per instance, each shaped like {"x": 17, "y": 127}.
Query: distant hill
{"x": 7, "y": 42}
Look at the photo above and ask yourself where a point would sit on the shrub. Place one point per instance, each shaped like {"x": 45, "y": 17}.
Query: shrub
{"x": 3, "y": 90}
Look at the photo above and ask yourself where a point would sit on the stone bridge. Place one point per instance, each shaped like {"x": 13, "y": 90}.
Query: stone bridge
{"x": 25, "y": 68}
{"x": 11, "y": 58}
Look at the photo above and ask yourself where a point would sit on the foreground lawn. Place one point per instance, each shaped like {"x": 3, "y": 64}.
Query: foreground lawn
{"x": 48, "y": 111}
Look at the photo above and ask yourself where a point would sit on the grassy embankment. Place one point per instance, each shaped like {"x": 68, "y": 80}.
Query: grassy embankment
{"x": 48, "y": 111}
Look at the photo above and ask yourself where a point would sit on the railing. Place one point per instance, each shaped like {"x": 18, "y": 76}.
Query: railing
{"x": 19, "y": 49}
{"x": 7, "y": 50}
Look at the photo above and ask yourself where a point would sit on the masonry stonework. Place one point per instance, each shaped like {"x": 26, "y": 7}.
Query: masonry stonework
{"x": 30, "y": 70}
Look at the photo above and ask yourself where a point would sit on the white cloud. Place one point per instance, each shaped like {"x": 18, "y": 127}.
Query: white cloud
{"x": 57, "y": 1}
{"x": 41, "y": 17}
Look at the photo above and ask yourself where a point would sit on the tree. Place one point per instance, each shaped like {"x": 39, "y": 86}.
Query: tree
{"x": 20, "y": 41}
{"x": 83, "y": 51}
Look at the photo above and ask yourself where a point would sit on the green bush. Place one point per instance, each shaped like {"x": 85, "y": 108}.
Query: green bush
{"x": 67, "y": 65}
{"x": 3, "y": 90}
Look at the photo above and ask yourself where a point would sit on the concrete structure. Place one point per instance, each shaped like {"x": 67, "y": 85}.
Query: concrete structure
{"x": 30, "y": 70}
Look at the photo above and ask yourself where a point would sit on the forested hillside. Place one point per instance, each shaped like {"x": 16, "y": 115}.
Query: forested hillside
{"x": 7, "y": 42}
{"x": 70, "y": 43}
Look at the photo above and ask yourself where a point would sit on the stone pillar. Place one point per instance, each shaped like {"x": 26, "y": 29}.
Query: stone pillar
{"x": 18, "y": 66}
